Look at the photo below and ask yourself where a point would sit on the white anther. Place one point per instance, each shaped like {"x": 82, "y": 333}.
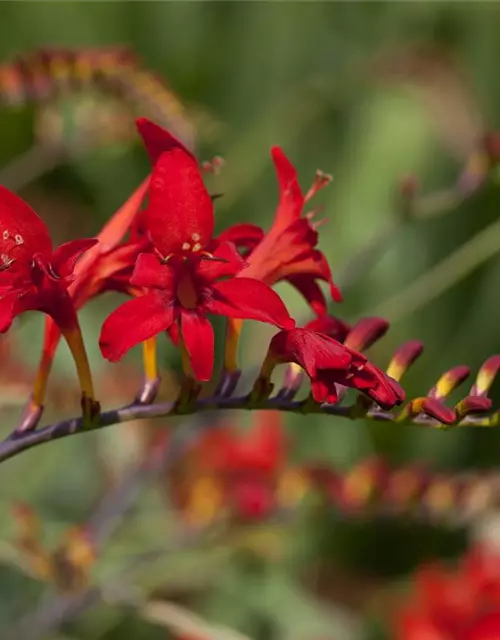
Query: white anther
{"x": 5, "y": 235}
{"x": 4, "y": 258}
{"x": 19, "y": 239}
{"x": 197, "y": 246}
{"x": 186, "y": 246}
{"x": 195, "y": 237}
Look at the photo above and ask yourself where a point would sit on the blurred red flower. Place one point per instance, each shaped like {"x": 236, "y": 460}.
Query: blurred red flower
{"x": 244, "y": 475}
{"x": 454, "y": 604}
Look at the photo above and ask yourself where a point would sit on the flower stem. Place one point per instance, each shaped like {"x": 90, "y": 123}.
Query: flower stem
{"x": 151, "y": 383}
{"x": 50, "y": 342}
{"x": 233, "y": 332}
{"x": 149, "y": 359}
{"x": 76, "y": 345}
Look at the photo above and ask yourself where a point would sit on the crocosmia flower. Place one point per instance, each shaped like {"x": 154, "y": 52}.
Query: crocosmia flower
{"x": 329, "y": 363}
{"x": 34, "y": 276}
{"x": 189, "y": 275}
{"x": 106, "y": 266}
{"x": 288, "y": 250}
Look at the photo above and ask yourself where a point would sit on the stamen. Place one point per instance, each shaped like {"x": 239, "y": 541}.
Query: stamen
{"x": 213, "y": 166}
{"x": 196, "y": 247}
{"x": 321, "y": 180}
{"x": 5, "y": 235}
{"x": 204, "y": 255}
{"x": 18, "y": 238}
{"x": 186, "y": 246}
{"x": 195, "y": 237}
{"x": 52, "y": 273}
{"x": 6, "y": 261}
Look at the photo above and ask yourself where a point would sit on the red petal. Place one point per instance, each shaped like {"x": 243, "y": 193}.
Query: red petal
{"x": 323, "y": 389}
{"x": 112, "y": 233}
{"x": 135, "y": 321}
{"x": 148, "y": 272}
{"x": 64, "y": 257}
{"x": 246, "y": 298}
{"x": 326, "y": 273}
{"x": 9, "y": 309}
{"x": 198, "y": 336}
{"x": 180, "y": 213}
{"x": 487, "y": 628}
{"x": 366, "y": 332}
{"x": 310, "y": 289}
{"x": 243, "y": 235}
{"x": 285, "y": 171}
{"x": 291, "y": 198}
{"x": 331, "y": 326}
{"x": 22, "y": 232}
{"x": 227, "y": 262}
{"x": 310, "y": 350}
{"x": 158, "y": 140}
{"x": 52, "y": 300}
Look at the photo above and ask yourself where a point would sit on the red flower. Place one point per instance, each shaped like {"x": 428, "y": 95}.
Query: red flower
{"x": 35, "y": 277}
{"x": 32, "y": 275}
{"x": 329, "y": 363}
{"x": 106, "y": 266}
{"x": 459, "y": 604}
{"x": 184, "y": 278}
{"x": 287, "y": 251}
{"x": 331, "y": 326}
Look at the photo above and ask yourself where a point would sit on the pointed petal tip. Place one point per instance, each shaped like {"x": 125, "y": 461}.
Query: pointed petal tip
{"x": 158, "y": 140}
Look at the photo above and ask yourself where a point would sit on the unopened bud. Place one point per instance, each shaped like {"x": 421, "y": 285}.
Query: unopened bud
{"x": 430, "y": 407}
{"x": 404, "y": 357}
{"x": 366, "y": 332}
{"x": 486, "y": 376}
{"x": 449, "y": 381}
{"x": 473, "y": 405}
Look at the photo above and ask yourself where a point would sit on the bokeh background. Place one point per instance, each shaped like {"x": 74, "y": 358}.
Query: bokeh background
{"x": 368, "y": 92}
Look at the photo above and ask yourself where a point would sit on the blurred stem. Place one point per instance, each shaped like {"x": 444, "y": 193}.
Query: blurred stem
{"x": 442, "y": 276}
{"x": 367, "y": 255}
{"x": 184, "y": 622}
{"x": 30, "y": 165}
{"x": 427, "y": 206}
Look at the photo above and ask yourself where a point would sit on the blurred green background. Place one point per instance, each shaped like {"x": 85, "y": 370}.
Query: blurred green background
{"x": 367, "y": 92}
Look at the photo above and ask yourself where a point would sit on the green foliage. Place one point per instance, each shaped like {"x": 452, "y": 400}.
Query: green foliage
{"x": 302, "y": 75}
